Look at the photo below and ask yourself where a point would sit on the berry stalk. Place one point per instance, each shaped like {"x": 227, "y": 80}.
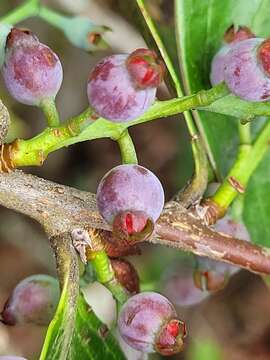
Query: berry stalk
{"x": 50, "y": 111}
{"x": 27, "y": 9}
{"x": 127, "y": 149}
{"x": 86, "y": 126}
{"x": 198, "y": 184}
{"x": 105, "y": 275}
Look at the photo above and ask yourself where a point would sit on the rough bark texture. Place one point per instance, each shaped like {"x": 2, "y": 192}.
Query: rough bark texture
{"x": 60, "y": 209}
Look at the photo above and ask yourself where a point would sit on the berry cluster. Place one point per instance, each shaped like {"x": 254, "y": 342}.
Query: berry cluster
{"x": 243, "y": 63}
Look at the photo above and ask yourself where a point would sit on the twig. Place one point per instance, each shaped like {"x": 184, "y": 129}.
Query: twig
{"x": 60, "y": 209}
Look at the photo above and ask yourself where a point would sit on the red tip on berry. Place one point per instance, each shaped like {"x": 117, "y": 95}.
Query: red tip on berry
{"x": 170, "y": 338}
{"x": 145, "y": 69}
{"x": 234, "y": 34}
{"x": 132, "y": 225}
{"x": 264, "y": 55}
{"x": 210, "y": 280}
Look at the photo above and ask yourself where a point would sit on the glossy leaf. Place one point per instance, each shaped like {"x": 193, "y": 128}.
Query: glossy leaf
{"x": 200, "y": 26}
{"x": 92, "y": 339}
{"x": 75, "y": 331}
{"x": 257, "y": 204}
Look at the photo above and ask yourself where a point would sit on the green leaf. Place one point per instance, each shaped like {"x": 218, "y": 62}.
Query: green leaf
{"x": 92, "y": 339}
{"x": 200, "y": 25}
{"x": 257, "y": 204}
{"x": 60, "y": 331}
{"x": 4, "y": 31}
{"x": 75, "y": 332}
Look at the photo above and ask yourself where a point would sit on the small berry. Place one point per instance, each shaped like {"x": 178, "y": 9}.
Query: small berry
{"x": 179, "y": 288}
{"x": 232, "y": 36}
{"x": 247, "y": 70}
{"x": 114, "y": 94}
{"x": 148, "y": 323}
{"x": 145, "y": 69}
{"x": 32, "y": 71}
{"x": 212, "y": 275}
{"x": 33, "y": 300}
{"x": 131, "y": 198}
{"x": 126, "y": 274}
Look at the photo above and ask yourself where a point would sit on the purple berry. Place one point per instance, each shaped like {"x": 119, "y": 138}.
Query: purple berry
{"x": 179, "y": 288}
{"x": 113, "y": 93}
{"x": 131, "y": 198}
{"x": 231, "y": 37}
{"x": 33, "y": 300}
{"x": 213, "y": 275}
{"x": 247, "y": 70}
{"x": 148, "y": 323}
{"x": 32, "y": 71}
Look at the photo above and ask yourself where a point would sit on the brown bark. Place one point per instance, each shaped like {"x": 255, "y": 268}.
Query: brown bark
{"x": 60, "y": 209}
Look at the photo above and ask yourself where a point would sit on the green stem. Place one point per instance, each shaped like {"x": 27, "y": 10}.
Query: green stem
{"x": 198, "y": 150}
{"x": 244, "y": 133}
{"x": 27, "y": 9}
{"x": 84, "y": 127}
{"x": 105, "y": 276}
{"x": 127, "y": 149}
{"x": 52, "y": 17}
{"x": 50, "y": 111}
{"x": 247, "y": 161}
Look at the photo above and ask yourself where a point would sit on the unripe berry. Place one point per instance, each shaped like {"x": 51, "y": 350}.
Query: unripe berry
{"x": 148, "y": 323}
{"x": 113, "y": 89}
{"x": 213, "y": 275}
{"x": 126, "y": 274}
{"x": 145, "y": 69}
{"x": 32, "y": 71}
{"x": 33, "y": 300}
{"x": 247, "y": 70}
{"x": 231, "y": 37}
{"x": 131, "y": 198}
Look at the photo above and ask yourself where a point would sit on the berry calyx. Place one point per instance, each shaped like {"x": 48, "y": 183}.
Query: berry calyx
{"x": 32, "y": 71}
{"x": 132, "y": 226}
{"x": 235, "y": 34}
{"x": 145, "y": 68}
{"x": 170, "y": 339}
{"x": 263, "y": 54}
